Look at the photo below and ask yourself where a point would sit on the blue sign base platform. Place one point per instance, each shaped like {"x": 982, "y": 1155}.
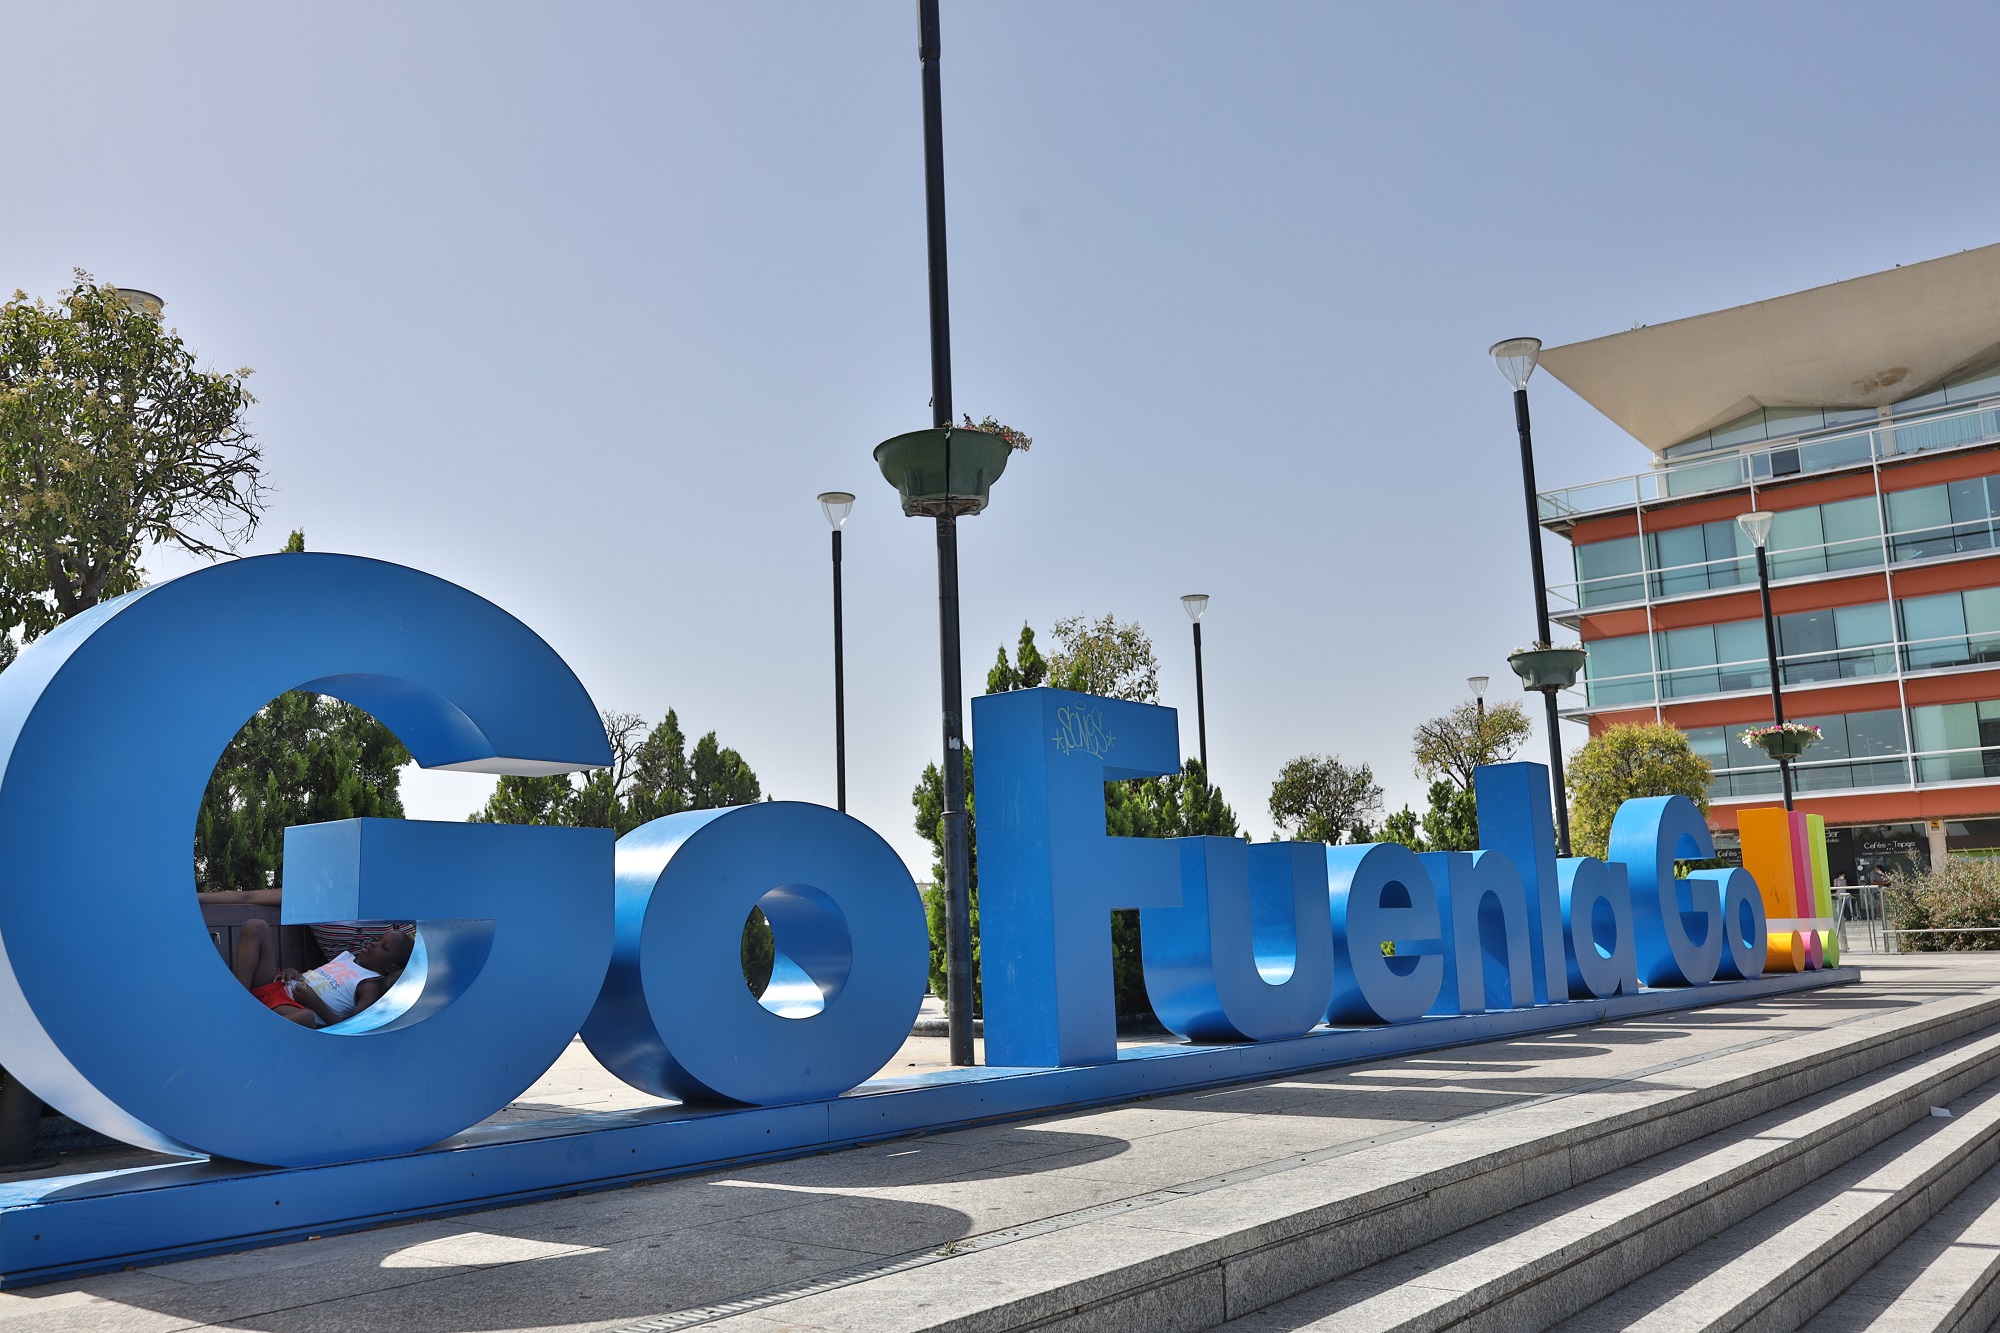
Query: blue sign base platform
{"x": 66, "y": 1226}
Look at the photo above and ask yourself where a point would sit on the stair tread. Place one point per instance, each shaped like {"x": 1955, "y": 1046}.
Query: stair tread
{"x": 1750, "y": 1262}
{"x": 1920, "y": 1284}
{"x": 1447, "y": 1279}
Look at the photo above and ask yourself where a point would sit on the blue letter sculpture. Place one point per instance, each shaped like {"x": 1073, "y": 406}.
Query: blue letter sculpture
{"x": 1049, "y": 874}
{"x": 1679, "y": 920}
{"x": 1745, "y": 933}
{"x": 1517, "y": 819}
{"x": 1248, "y": 955}
{"x": 1380, "y": 894}
{"x": 677, "y": 1018}
{"x": 177, "y": 1056}
{"x": 1596, "y": 904}
{"x": 1486, "y": 920}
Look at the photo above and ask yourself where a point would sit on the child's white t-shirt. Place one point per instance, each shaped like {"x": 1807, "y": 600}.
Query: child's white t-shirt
{"x": 335, "y": 983}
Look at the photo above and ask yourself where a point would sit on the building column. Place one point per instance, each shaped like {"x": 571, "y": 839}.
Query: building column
{"x": 1935, "y": 829}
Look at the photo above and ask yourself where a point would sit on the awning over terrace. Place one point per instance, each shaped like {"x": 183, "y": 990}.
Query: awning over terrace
{"x": 1865, "y": 342}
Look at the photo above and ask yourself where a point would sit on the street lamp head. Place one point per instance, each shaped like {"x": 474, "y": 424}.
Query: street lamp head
{"x": 1756, "y": 526}
{"x": 1477, "y": 684}
{"x": 836, "y": 505}
{"x": 1194, "y": 604}
{"x": 1516, "y": 358}
{"x": 141, "y": 303}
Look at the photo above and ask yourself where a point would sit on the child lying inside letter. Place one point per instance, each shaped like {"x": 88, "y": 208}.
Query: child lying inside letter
{"x": 328, "y": 993}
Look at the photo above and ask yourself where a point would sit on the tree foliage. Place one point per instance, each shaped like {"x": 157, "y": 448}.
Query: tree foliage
{"x": 1106, "y": 658}
{"x": 1180, "y": 805}
{"x": 928, "y": 798}
{"x": 1317, "y": 798}
{"x": 1451, "y": 824}
{"x": 303, "y": 759}
{"x": 1451, "y": 746}
{"x": 652, "y": 773}
{"x": 111, "y": 439}
{"x": 1025, "y": 672}
{"x": 1625, "y": 762}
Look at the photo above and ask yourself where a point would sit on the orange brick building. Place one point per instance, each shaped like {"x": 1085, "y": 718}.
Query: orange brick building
{"x": 1866, "y": 417}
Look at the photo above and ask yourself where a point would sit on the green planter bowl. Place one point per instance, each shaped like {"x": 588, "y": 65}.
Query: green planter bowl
{"x": 1547, "y": 668}
{"x": 1786, "y": 744}
{"x": 916, "y": 465}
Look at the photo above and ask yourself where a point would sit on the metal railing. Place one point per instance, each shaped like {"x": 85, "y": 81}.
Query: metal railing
{"x": 1861, "y": 917}
{"x": 1848, "y": 555}
{"x": 1953, "y": 428}
{"x": 1970, "y": 763}
{"x": 1854, "y": 662}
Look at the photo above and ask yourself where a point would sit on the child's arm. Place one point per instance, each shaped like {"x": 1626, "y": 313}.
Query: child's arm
{"x": 371, "y": 990}
{"x": 305, "y": 996}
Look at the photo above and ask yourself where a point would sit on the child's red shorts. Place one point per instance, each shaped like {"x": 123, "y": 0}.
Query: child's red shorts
{"x": 276, "y": 995}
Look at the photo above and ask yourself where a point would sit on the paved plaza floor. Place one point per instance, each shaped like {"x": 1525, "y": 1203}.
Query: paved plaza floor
{"x": 738, "y": 1244}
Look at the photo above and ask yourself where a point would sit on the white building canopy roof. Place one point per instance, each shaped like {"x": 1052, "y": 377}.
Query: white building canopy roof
{"x": 1865, "y": 342}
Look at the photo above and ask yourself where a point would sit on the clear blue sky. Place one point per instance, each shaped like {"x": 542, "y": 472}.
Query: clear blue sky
{"x": 579, "y": 306}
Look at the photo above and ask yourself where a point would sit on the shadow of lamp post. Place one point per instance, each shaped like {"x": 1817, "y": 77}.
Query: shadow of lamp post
{"x": 1542, "y": 668}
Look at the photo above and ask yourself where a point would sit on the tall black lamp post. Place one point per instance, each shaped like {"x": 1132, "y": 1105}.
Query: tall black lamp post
{"x": 1757, "y": 527}
{"x": 837, "y": 505}
{"x": 1478, "y": 684}
{"x": 1194, "y": 604}
{"x": 1543, "y": 668}
{"x": 940, "y": 474}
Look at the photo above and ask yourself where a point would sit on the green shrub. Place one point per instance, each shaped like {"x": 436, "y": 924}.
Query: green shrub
{"x": 1964, "y": 892}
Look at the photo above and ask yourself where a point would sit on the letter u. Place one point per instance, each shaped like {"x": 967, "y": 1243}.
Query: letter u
{"x": 1248, "y": 956}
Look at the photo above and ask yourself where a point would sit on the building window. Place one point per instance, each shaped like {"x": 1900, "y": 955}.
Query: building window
{"x": 1814, "y": 539}
{"x": 1855, "y": 750}
{"x": 1949, "y": 519}
{"x": 1618, "y": 671}
{"x": 1839, "y": 643}
{"x": 1710, "y": 659}
{"x": 1956, "y": 742}
{"x": 1697, "y": 558}
{"x": 1951, "y": 629}
{"x": 1826, "y": 539}
{"x": 1608, "y": 572}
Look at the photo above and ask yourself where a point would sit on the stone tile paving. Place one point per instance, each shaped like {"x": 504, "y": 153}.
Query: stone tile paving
{"x": 602, "y": 1260}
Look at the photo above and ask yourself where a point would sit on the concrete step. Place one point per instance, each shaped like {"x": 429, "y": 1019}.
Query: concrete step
{"x": 1944, "y": 1279}
{"x": 1778, "y": 1268}
{"x": 1540, "y": 1204}
{"x": 1543, "y": 1262}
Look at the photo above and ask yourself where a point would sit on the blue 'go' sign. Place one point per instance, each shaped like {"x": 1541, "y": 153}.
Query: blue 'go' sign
{"x": 530, "y": 935}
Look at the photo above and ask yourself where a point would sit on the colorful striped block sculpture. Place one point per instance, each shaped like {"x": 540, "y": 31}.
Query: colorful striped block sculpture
{"x": 1785, "y": 851}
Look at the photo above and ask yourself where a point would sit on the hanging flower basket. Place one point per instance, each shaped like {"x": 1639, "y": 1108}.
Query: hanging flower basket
{"x": 1787, "y": 741}
{"x": 944, "y": 470}
{"x": 1544, "y": 668}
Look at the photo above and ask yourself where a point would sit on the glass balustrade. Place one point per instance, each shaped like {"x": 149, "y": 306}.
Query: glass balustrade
{"x": 1956, "y": 428}
{"x": 1838, "y": 557}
